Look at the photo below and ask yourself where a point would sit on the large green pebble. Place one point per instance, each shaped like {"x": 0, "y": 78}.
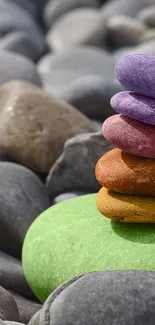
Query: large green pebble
{"x": 72, "y": 238}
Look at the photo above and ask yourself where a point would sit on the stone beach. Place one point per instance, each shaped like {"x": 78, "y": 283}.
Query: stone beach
{"x": 77, "y": 162}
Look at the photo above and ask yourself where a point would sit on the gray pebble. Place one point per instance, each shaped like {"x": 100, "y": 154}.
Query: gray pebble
{"x": 90, "y": 33}
{"x": 8, "y": 306}
{"x": 22, "y": 198}
{"x": 12, "y": 275}
{"x": 91, "y": 95}
{"x": 124, "y": 31}
{"x": 15, "y": 66}
{"x": 147, "y": 15}
{"x": 75, "y": 169}
{"x": 28, "y": 5}
{"x": 55, "y": 9}
{"x": 21, "y": 43}
{"x": 26, "y": 308}
{"x": 59, "y": 70}
{"x": 67, "y": 196}
{"x": 109, "y": 298}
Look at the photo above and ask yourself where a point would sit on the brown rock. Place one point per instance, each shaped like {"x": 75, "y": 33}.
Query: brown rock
{"x": 124, "y": 173}
{"x": 126, "y": 208}
{"x": 34, "y": 125}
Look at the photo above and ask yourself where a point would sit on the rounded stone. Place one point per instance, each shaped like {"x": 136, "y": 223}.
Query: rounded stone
{"x": 96, "y": 298}
{"x": 72, "y": 238}
{"x": 135, "y": 106}
{"x": 92, "y": 33}
{"x": 130, "y": 135}
{"x": 124, "y": 173}
{"x": 34, "y": 125}
{"x": 147, "y": 15}
{"x": 136, "y": 73}
{"x": 126, "y": 208}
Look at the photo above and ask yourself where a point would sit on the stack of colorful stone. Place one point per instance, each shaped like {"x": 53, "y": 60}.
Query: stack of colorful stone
{"x": 127, "y": 173}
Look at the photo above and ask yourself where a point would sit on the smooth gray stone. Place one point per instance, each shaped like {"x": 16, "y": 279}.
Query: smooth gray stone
{"x": 59, "y": 70}
{"x": 8, "y": 322}
{"x": 97, "y": 125}
{"x": 57, "y": 8}
{"x": 103, "y": 298}
{"x": 147, "y": 15}
{"x": 22, "y": 198}
{"x": 21, "y": 43}
{"x": 91, "y": 95}
{"x": 12, "y": 275}
{"x": 124, "y": 7}
{"x": 8, "y": 306}
{"x": 26, "y": 308}
{"x": 14, "y": 66}
{"x": 35, "y": 318}
{"x": 28, "y": 5}
{"x": 15, "y": 18}
{"x": 124, "y": 31}
{"x": 67, "y": 196}
{"x": 82, "y": 33}
{"x": 74, "y": 170}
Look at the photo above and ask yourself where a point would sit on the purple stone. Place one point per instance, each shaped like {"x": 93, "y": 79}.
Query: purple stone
{"x": 137, "y": 73}
{"x": 136, "y": 106}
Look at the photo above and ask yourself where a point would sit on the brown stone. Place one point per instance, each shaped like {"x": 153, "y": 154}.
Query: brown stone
{"x": 126, "y": 208}
{"x": 34, "y": 125}
{"x": 124, "y": 173}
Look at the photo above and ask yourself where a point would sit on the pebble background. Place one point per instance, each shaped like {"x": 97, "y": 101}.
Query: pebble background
{"x": 57, "y": 78}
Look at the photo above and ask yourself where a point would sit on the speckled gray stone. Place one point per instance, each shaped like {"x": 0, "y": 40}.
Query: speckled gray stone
{"x": 15, "y": 66}
{"x": 74, "y": 170}
{"x": 91, "y": 95}
{"x": 22, "y": 198}
{"x": 55, "y": 9}
{"x": 8, "y": 306}
{"x": 109, "y": 298}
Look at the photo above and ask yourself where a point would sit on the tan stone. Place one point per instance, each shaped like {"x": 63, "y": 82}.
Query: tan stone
{"x": 34, "y": 125}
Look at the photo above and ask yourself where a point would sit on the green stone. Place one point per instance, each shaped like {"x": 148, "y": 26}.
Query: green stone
{"x": 73, "y": 238}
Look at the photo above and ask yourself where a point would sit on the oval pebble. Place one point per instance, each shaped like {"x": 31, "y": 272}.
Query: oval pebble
{"x": 129, "y": 135}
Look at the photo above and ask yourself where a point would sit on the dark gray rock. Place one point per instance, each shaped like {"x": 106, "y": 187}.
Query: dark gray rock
{"x": 67, "y": 196}
{"x": 124, "y": 31}
{"x": 14, "y": 66}
{"x": 28, "y": 5}
{"x": 59, "y": 70}
{"x": 13, "y": 18}
{"x": 22, "y": 198}
{"x": 21, "y": 43}
{"x": 35, "y": 319}
{"x": 75, "y": 168}
{"x": 26, "y": 308}
{"x": 8, "y": 306}
{"x": 91, "y": 95}
{"x": 56, "y": 9}
{"x": 124, "y": 7}
{"x": 147, "y": 15}
{"x": 12, "y": 275}
{"x": 109, "y": 298}
{"x": 90, "y": 33}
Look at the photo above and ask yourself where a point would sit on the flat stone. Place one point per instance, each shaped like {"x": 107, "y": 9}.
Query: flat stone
{"x": 45, "y": 124}
{"x": 21, "y": 43}
{"x": 127, "y": 174}
{"x": 124, "y": 31}
{"x": 138, "y": 107}
{"x": 67, "y": 196}
{"x": 80, "y": 292}
{"x": 8, "y": 306}
{"x": 74, "y": 170}
{"x": 12, "y": 275}
{"x": 135, "y": 72}
{"x": 55, "y": 9}
{"x": 15, "y": 66}
{"x": 91, "y": 95}
{"x": 26, "y": 308}
{"x": 147, "y": 15}
{"x": 22, "y": 198}
{"x": 15, "y": 18}
{"x": 130, "y": 135}
{"x": 58, "y": 70}
{"x": 126, "y": 208}
{"x": 92, "y": 33}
